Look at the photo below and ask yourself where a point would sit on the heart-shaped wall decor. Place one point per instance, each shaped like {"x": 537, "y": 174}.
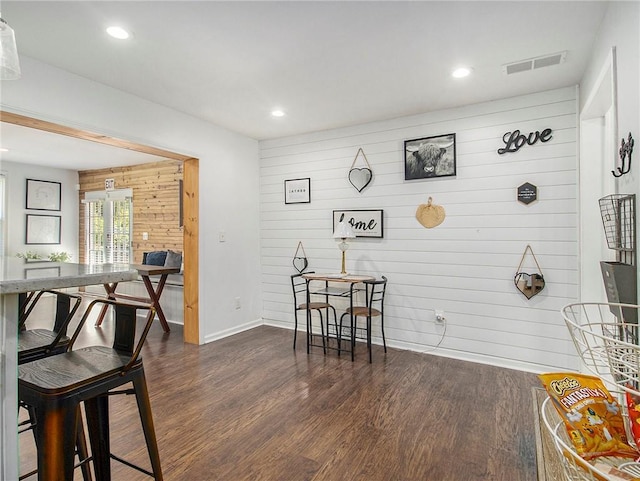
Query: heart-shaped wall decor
{"x": 529, "y": 284}
{"x": 430, "y": 215}
{"x": 300, "y": 263}
{"x": 360, "y": 178}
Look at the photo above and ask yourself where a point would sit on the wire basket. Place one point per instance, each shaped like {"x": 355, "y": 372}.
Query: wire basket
{"x": 573, "y": 466}
{"x": 606, "y": 342}
{"x": 619, "y": 218}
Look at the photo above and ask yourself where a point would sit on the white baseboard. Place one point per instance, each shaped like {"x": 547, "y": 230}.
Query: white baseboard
{"x": 235, "y": 330}
{"x": 450, "y": 353}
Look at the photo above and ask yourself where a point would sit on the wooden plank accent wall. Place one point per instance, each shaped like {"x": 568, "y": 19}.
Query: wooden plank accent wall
{"x": 156, "y": 203}
{"x": 464, "y": 267}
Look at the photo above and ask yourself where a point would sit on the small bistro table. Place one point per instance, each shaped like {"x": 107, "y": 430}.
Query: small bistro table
{"x": 16, "y": 277}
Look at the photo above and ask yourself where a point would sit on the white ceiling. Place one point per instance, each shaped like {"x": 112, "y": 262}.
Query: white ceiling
{"x": 326, "y": 64}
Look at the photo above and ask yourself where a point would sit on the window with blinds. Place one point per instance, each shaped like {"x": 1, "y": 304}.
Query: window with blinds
{"x": 109, "y": 224}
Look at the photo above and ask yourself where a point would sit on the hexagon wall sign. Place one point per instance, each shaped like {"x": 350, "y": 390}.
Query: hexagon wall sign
{"x": 527, "y": 193}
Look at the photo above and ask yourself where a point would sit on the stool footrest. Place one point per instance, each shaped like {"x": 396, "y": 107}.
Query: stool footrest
{"x": 131, "y": 465}
{"x": 35, "y": 471}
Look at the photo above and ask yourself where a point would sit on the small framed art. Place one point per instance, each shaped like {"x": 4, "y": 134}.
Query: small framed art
{"x": 43, "y": 195}
{"x": 297, "y": 191}
{"x": 430, "y": 157}
{"x": 43, "y": 229}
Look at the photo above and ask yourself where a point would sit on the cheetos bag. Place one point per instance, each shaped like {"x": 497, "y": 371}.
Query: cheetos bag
{"x": 591, "y": 414}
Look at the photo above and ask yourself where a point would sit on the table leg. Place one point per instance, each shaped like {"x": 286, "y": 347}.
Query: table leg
{"x": 308, "y": 312}
{"x": 154, "y": 295}
{"x": 111, "y": 294}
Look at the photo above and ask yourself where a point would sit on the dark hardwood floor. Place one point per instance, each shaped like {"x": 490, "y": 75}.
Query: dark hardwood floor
{"x": 249, "y": 407}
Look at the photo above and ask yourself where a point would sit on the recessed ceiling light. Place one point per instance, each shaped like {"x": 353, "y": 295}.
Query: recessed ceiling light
{"x": 118, "y": 32}
{"x": 461, "y": 72}
{"x": 277, "y": 113}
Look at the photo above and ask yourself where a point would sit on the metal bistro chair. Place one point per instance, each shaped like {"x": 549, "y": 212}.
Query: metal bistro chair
{"x": 40, "y": 343}
{"x": 55, "y": 386}
{"x": 299, "y": 286}
{"x": 374, "y": 298}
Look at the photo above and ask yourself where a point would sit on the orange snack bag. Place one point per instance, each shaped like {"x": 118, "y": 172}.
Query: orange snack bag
{"x": 591, "y": 414}
{"x": 633, "y": 409}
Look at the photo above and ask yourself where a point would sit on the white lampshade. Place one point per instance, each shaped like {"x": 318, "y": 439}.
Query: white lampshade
{"x": 343, "y": 231}
{"x": 9, "y": 63}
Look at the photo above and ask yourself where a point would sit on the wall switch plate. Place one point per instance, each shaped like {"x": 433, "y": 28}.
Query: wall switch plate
{"x": 221, "y": 236}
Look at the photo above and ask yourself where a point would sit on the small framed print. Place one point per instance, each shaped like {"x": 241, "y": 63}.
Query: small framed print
{"x": 43, "y": 195}
{"x": 297, "y": 191}
{"x": 43, "y": 229}
{"x": 430, "y": 157}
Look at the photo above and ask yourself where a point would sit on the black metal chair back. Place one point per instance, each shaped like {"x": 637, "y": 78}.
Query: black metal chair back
{"x": 375, "y": 291}
{"x": 38, "y": 343}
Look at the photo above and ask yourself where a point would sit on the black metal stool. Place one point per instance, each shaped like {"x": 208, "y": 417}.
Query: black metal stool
{"x": 40, "y": 343}
{"x": 55, "y": 386}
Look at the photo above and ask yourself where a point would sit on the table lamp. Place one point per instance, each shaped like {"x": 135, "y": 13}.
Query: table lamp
{"x": 343, "y": 231}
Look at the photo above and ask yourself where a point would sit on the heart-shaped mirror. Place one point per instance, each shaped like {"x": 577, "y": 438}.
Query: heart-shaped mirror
{"x": 300, "y": 263}
{"x": 529, "y": 284}
{"x": 360, "y": 178}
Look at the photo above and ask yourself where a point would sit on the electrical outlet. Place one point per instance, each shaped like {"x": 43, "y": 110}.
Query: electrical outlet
{"x": 237, "y": 303}
{"x": 439, "y": 316}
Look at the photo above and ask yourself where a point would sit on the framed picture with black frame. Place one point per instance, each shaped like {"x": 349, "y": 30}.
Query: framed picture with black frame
{"x": 430, "y": 157}
{"x": 297, "y": 191}
{"x": 43, "y": 229}
{"x": 43, "y": 195}
{"x": 364, "y": 222}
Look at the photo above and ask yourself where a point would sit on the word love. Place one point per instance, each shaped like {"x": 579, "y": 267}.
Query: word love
{"x": 514, "y": 140}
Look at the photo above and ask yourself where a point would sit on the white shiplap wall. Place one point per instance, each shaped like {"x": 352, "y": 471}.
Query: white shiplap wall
{"x": 465, "y": 266}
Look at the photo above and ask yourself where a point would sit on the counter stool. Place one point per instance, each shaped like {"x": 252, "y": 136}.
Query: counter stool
{"x": 374, "y": 295}
{"x": 40, "y": 343}
{"x": 55, "y": 386}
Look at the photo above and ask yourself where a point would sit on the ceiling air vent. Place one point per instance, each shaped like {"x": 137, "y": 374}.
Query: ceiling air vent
{"x": 534, "y": 63}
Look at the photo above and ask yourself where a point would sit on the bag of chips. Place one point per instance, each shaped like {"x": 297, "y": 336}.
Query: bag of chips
{"x": 591, "y": 414}
{"x": 633, "y": 409}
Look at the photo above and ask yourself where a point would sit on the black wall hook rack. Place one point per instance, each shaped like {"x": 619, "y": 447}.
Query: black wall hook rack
{"x": 626, "y": 148}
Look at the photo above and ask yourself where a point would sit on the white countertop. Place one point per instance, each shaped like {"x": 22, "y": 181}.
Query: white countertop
{"x": 17, "y": 275}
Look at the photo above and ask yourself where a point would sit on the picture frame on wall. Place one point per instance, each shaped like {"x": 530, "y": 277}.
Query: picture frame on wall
{"x": 430, "y": 157}
{"x": 43, "y": 229}
{"x": 297, "y": 191}
{"x": 43, "y": 195}
{"x": 365, "y": 223}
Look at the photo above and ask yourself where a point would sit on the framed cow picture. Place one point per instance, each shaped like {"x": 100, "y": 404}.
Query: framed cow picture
{"x": 430, "y": 157}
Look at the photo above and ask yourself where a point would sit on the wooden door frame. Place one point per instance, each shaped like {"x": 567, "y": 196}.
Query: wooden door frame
{"x": 190, "y": 197}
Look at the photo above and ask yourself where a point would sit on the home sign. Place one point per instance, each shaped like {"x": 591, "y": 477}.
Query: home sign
{"x": 513, "y": 141}
{"x": 365, "y": 223}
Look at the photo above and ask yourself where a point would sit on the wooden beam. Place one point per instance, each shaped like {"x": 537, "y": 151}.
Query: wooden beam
{"x": 190, "y": 196}
{"x": 30, "y": 122}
